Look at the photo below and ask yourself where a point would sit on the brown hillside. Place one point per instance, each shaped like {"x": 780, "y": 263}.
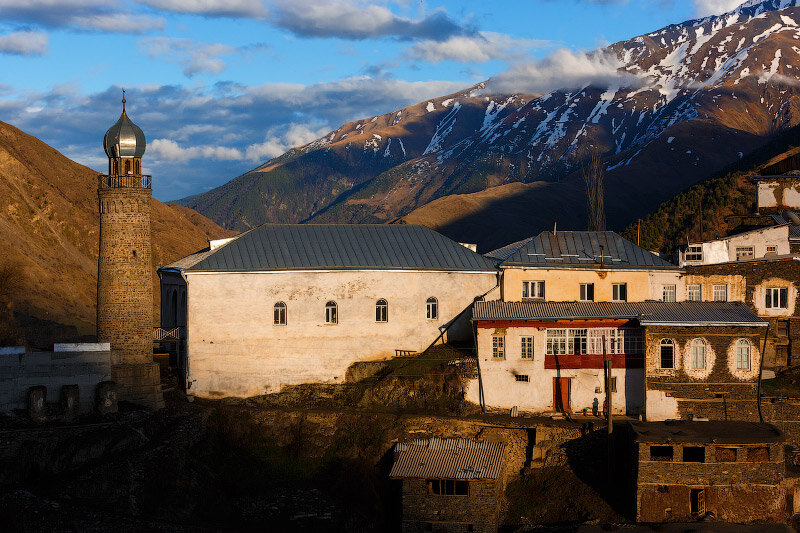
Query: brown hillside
{"x": 49, "y": 228}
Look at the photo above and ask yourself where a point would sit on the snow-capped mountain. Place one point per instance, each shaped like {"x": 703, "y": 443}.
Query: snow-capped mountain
{"x": 685, "y": 101}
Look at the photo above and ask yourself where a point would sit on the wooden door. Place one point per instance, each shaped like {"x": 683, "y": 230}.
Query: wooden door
{"x": 561, "y": 394}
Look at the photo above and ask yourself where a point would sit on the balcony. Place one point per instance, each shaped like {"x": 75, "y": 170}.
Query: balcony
{"x": 130, "y": 181}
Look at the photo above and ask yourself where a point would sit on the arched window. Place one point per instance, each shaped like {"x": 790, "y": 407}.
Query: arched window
{"x": 279, "y": 314}
{"x": 666, "y": 353}
{"x": 743, "y": 354}
{"x": 331, "y": 313}
{"x": 432, "y": 308}
{"x": 381, "y": 311}
{"x": 698, "y": 349}
{"x": 127, "y": 166}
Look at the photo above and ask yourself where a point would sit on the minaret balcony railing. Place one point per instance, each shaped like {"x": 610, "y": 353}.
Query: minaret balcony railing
{"x": 105, "y": 181}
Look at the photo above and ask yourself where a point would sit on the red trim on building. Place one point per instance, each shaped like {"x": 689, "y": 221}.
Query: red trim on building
{"x": 564, "y": 362}
{"x": 488, "y": 324}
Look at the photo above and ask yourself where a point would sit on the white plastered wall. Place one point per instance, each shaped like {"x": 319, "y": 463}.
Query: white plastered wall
{"x": 502, "y": 390}
{"x": 234, "y": 349}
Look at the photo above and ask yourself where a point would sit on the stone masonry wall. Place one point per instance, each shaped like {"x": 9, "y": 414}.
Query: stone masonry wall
{"x": 451, "y": 513}
{"x": 783, "y": 341}
{"x": 719, "y": 392}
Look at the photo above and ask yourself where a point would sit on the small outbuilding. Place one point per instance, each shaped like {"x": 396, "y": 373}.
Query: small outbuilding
{"x": 450, "y": 485}
{"x": 727, "y": 471}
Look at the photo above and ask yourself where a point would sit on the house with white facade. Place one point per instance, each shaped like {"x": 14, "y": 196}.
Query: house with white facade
{"x": 289, "y": 304}
{"x": 772, "y": 241}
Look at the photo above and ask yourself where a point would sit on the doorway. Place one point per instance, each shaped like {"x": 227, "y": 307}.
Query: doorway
{"x": 561, "y": 394}
{"x": 698, "y": 502}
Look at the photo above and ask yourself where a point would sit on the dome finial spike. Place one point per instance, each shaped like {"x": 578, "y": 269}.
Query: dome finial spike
{"x": 123, "y": 100}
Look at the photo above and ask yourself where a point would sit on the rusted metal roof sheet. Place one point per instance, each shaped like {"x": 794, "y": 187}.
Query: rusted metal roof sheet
{"x": 579, "y": 249}
{"x": 341, "y": 247}
{"x": 647, "y": 313}
{"x": 447, "y": 459}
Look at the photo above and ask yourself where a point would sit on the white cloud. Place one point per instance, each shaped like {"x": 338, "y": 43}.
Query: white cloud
{"x": 276, "y": 143}
{"x": 563, "y": 69}
{"x": 24, "y": 43}
{"x": 170, "y": 150}
{"x": 211, "y": 8}
{"x": 715, "y": 7}
{"x": 357, "y": 19}
{"x": 195, "y": 57}
{"x": 472, "y": 49}
{"x": 119, "y": 22}
{"x": 102, "y": 15}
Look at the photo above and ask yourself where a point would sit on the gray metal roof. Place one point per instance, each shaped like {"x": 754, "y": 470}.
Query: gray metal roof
{"x": 124, "y": 138}
{"x": 579, "y": 249}
{"x": 341, "y": 247}
{"x": 716, "y": 432}
{"x": 447, "y": 459}
{"x": 647, "y": 313}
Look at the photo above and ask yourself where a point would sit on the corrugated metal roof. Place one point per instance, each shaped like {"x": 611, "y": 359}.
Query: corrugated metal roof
{"x": 447, "y": 459}
{"x": 579, "y": 249}
{"x": 340, "y": 247}
{"x": 647, "y": 313}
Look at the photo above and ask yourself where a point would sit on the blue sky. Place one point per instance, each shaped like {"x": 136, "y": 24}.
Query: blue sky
{"x": 220, "y": 86}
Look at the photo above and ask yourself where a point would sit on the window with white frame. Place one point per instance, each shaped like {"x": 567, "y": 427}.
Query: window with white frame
{"x": 777, "y": 298}
{"x": 587, "y": 292}
{"x": 666, "y": 354}
{"x": 772, "y": 249}
{"x": 279, "y": 314}
{"x": 694, "y": 293}
{"x": 668, "y": 293}
{"x": 557, "y": 341}
{"x": 526, "y": 348}
{"x": 720, "y": 293}
{"x": 381, "y": 311}
{"x": 619, "y": 292}
{"x": 698, "y": 352}
{"x": 432, "y": 308}
{"x": 533, "y": 289}
{"x": 744, "y": 252}
{"x": 498, "y": 347}
{"x": 743, "y": 354}
{"x": 694, "y": 252}
{"x": 331, "y": 313}
{"x": 590, "y": 341}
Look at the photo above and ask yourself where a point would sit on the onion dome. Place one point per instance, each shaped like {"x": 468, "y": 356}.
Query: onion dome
{"x": 124, "y": 139}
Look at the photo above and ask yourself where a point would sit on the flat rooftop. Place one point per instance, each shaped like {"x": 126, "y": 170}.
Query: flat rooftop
{"x": 711, "y": 432}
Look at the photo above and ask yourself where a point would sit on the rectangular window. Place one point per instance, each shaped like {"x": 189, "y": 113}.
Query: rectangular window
{"x": 694, "y": 293}
{"x": 448, "y": 487}
{"x": 758, "y": 455}
{"x": 661, "y": 453}
{"x": 522, "y": 378}
{"x": 613, "y": 384}
{"x": 533, "y": 289}
{"x": 772, "y": 250}
{"x": 694, "y": 454}
{"x": 725, "y": 455}
{"x": 526, "y": 348}
{"x": 694, "y": 252}
{"x": 777, "y": 298}
{"x": 619, "y": 292}
{"x": 668, "y": 294}
{"x": 556, "y": 341}
{"x": 590, "y": 341}
{"x": 720, "y": 293}
{"x": 587, "y": 292}
{"x": 744, "y": 252}
{"x": 498, "y": 347}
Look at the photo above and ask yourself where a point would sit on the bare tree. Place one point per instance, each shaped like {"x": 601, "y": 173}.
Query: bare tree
{"x": 593, "y": 178}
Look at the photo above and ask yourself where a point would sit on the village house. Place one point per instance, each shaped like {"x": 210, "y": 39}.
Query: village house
{"x": 729, "y": 471}
{"x": 449, "y": 485}
{"x": 771, "y": 241}
{"x": 778, "y": 192}
{"x": 770, "y": 287}
{"x": 289, "y": 304}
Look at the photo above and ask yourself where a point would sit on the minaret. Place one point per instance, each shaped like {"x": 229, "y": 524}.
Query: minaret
{"x": 124, "y": 266}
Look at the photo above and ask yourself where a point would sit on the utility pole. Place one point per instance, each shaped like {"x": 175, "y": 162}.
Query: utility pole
{"x": 607, "y": 367}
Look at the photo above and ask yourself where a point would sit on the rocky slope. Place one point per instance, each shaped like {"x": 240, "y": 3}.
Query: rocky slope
{"x": 49, "y": 230}
{"x": 687, "y": 100}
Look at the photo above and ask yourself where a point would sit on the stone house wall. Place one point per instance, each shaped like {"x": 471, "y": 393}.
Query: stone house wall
{"x": 748, "y": 282}
{"x": 449, "y": 513}
{"x": 740, "y": 491}
{"x": 718, "y": 392}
